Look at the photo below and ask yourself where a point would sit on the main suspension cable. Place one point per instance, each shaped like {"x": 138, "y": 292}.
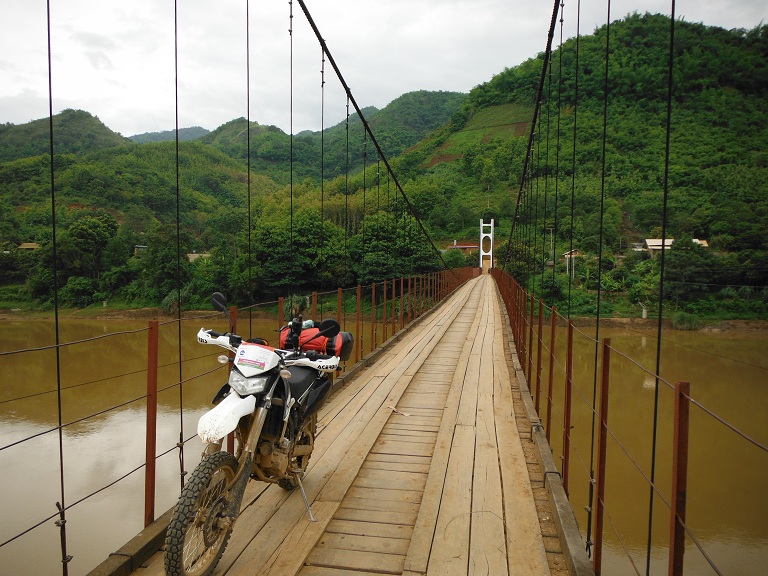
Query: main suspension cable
{"x": 670, "y": 89}
{"x": 369, "y": 132}
{"x": 536, "y": 111}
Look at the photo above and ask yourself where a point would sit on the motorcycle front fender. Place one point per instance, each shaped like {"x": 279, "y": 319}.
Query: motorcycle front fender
{"x": 217, "y": 423}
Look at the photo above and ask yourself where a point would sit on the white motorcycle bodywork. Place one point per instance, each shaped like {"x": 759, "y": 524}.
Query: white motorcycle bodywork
{"x": 217, "y": 423}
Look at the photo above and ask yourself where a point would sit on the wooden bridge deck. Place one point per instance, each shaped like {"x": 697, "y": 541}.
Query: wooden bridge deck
{"x": 419, "y": 467}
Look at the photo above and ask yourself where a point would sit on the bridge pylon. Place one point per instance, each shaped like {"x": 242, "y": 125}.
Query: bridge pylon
{"x": 486, "y": 245}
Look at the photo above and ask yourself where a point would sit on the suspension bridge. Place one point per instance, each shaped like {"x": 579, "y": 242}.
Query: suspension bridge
{"x": 470, "y": 433}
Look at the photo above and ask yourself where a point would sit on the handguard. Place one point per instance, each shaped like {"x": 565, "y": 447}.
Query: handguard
{"x": 324, "y": 364}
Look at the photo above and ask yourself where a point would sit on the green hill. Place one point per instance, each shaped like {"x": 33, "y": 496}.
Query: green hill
{"x": 185, "y": 135}
{"x": 74, "y": 131}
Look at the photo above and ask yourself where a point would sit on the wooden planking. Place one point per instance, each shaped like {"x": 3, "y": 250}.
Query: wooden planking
{"x": 527, "y": 555}
{"x": 488, "y": 552}
{"x": 393, "y": 483}
{"x": 397, "y": 509}
{"x": 450, "y": 548}
{"x": 353, "y": 435}
{"x": 355, "y": 560}
{"x": 424, "y": 531}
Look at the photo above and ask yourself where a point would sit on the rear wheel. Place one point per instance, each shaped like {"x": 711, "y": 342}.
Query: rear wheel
{"x": 198, "y": 532}
{"x": 300, "y": 463}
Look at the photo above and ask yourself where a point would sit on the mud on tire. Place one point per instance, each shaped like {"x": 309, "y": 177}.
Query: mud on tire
{"x": 195, "y": 539}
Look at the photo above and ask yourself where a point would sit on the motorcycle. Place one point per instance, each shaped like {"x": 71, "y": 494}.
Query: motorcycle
{"x": 270, "y": 402}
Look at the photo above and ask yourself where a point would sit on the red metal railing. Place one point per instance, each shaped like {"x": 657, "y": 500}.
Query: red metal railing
{"x": 530, "y": 339}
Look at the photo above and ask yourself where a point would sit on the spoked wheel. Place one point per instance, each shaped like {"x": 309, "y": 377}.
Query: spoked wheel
{"x": 300, "y": 463}
{"x": 198, "y": 532}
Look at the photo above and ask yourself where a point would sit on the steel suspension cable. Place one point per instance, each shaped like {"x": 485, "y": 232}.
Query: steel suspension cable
{"x": 599, "y": 272}
{"x": 61, "y": 506}
{"x": 248, "y": 163}
{"x": 182, "y": 472}
{"x": 546, "y": 166}
{"x": 570, "y": 260}
{"x": 557, "y": 145}
{"x": 290, "y": 34}
{"x": 668, "y": 137}
{"x": 368, "y": 130}
{"x": 536, "y": 111}
{"x": 322, "y": 165}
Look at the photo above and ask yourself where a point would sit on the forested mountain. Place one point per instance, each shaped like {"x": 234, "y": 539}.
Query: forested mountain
{"x": 403, "y": 123}
{"x": 75, "y": 132}
{"x": 185, "y": 135}
{"x": 459, "y": 159}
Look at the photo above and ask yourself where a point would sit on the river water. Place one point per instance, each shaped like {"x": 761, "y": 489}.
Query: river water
{"x": 728, "y": 507}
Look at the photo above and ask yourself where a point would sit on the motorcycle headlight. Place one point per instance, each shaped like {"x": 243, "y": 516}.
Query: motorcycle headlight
{"x": 245, "y": 386}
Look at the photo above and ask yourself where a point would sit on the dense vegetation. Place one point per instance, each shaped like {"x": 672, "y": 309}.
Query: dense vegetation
{"x": 718, "y": 169}
{"x": 459, "y": 159}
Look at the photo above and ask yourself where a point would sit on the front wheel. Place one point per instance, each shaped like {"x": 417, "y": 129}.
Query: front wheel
{"x": 198, "y": 532}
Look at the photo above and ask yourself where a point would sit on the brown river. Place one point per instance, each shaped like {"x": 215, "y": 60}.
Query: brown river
{"x": 728, "y": 476}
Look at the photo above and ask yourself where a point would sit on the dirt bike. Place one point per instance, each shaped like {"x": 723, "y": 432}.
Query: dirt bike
{"x": 270, "y": 402}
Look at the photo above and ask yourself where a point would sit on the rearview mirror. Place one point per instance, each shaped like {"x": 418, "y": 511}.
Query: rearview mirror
{"x": 329, "y": 328}
{"x": 219, "y": 302}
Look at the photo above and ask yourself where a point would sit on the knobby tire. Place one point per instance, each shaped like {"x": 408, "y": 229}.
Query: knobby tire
{"x": 194, "y": 542}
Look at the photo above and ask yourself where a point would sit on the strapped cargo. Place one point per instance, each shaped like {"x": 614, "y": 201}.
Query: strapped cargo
{"x": 340, "y": 346}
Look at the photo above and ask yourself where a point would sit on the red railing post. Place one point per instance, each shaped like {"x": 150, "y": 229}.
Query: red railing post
{"x": 552, "y": 333}
{"x": 679, "y": 478}
{"x": 339, "y": 304}
{"x": 384, "y": 314}
{"x": 151, "y": 437}
{"x": 373, "y": 316}
{"x": 538, "y": 353}
{"x": 358, "y": 327}
{"x": 402, "y": 302}
{"x": 314, "y": 306}
{"x": 529, "y": 349}
{"x": 567, "y": 407}
{"x": 601, "y": 456}
{"x": 280, "y": 312}
{"x": 394, "y": 305}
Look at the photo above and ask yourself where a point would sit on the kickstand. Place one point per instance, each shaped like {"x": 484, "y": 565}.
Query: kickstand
{"x": 304, "y": 495}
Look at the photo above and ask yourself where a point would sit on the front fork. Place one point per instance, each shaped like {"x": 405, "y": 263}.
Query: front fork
{"x": 236, "y": 489}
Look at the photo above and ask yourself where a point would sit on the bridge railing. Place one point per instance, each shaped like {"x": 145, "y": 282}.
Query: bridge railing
{"x": 622, "y": 436}
{"x": 161, "y": 383}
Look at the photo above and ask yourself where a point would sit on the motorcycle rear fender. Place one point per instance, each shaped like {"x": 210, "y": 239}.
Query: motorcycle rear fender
{"x": 223, "y": 419}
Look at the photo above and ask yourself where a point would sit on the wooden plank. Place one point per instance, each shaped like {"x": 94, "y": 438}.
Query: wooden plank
{"x": 422, "y": 468}
{"x": 371, "y": 528}
{"x": 414, "y": 448}
{"x": 289, "y": 557}
{"x": 384, "y": 494}
{"x": 395, "y": 458}
{"x": 391, "y": 480}
{"x": 423, "y": 436}
{"x": 379, "y": 516}
{"x": 323, "y": 571}
{"x": 354, "y": 560}
{"x": 391, "y": 504}
{"x": 450, "y": 548}
{"x": 366, "y": 543}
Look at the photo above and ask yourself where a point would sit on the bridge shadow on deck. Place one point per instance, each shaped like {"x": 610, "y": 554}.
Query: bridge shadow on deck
{"x": 423, "y": 464}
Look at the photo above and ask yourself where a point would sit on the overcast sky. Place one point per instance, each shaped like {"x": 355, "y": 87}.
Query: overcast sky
{"x": 116, "y": 59}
